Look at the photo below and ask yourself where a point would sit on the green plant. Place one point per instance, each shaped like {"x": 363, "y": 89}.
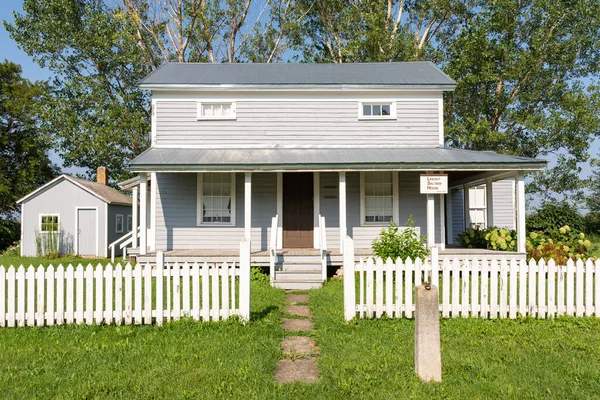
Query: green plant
{"x": 553, "y": 216}
{"x": 473, "y": 238}
{"x": 501, "y": 239}
{"x": 48, "y": 244}
{"x": 13, "y": 251}
{"x": 395, "y": 243}
{"x": 592, "y": 223}
{"x": 256, "y": 275}
{"x": 560, "y": 245}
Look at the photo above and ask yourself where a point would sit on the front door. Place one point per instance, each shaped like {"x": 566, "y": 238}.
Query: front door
{"x": 87, "y": 232}
{"x": 298, "y": 215}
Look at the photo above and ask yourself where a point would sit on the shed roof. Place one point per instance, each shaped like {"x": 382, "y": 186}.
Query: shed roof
{"x": 397, "y": 74}
{"x": 334, "y": 159}
{"x": 103, "y": 192}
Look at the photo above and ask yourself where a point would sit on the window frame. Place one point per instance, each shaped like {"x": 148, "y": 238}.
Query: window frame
{"x": 40, "y": 216}
{"x": 395, "y": 200}
{"x": 200, "y": 117}
{"x": 129, "y": 225}
{"x": 200, "y": 200}
{"x": 117, "y": 230}
{"x": 393, "y": 110}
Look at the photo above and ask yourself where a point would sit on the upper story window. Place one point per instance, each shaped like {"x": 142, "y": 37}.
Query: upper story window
{"x": 216, "y": 198}
{"x": 377, "y": 110}
{"x": 216, "y": 110}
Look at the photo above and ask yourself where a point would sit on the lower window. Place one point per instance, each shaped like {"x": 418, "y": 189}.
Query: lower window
{"x": 216, "y": 198}
{"x": 378, "y": 197}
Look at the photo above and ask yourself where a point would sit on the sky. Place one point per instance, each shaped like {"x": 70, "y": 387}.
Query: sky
{"x": 10, "y": 51}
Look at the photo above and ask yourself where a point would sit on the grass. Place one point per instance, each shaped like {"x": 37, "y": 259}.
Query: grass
{"x": 37, "y": 261}
{"x": 483, "y": 359}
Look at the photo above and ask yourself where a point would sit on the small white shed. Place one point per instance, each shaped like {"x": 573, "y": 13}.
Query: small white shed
{"x": 88, "y": 216}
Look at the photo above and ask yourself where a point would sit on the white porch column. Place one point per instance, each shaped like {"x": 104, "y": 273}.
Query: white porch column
{"x": 442, "y": 221}
{"x": 342, "y": 196}
{"x": 317, "y": 209}
{"x": 152, "y": 233}
{"x": 248, "y": 205}
{"x": 143, "y": 213}
{"x": 430, "y": 220}
{"x": 489, "y": 202}
{"x": 134, "y": 218}
{"x": 520, "y": 188}
{"x": 466, "y": 207}
{"x": 280, "y": 210}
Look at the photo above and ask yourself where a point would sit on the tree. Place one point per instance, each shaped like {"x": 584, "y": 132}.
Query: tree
{"x": 24, "y": 146}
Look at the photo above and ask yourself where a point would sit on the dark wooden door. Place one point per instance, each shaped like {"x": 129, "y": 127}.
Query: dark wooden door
{"x": 298, "y": 218}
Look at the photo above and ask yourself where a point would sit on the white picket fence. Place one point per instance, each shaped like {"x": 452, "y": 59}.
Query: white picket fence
{"x": 486, "y": 288}
{"x": 140, "y": 294}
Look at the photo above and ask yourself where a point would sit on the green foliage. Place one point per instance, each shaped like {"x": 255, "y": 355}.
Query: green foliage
{"x": 552, "y": 216}
{"x": 395, "y": 243}
{"x": 13, "y": 250}
{"x": 592, "y": 223}
{"x": 48, "y": 244}
{"x": 10, "y": 232}
{"x": 257, "y": 275}
{"x": 490, "y": 238}
{"x": 559, "y": 244}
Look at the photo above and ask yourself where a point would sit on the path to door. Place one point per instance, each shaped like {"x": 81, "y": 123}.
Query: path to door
{"x": 299, "y": 351}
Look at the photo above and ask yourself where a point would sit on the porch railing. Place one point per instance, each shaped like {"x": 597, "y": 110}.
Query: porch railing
{"x": 273, "y": 247}
{"x": 124, "y": 241}
{"x": 323, "y": 246}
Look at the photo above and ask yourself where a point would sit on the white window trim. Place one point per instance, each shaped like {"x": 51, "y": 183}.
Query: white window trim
{"x": 200, "y": 202}
{"x": 395, "y": 202}
{"x": 200, "y": 117}
{"x": 47, "y": 215}
{"x": 117, "y": 223}
{"x": 129, "y": 225}
{"x": 393, "y": 111}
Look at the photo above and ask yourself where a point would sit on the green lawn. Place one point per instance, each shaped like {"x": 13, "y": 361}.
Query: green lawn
{"x": 525, "y": 358}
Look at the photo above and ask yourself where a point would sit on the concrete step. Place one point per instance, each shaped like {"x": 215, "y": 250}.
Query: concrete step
{"x": 298, "y": 266}
{"x": 298, "y": 275}
{"x": 298, "y": 285}
{"x": 293, "y": 258}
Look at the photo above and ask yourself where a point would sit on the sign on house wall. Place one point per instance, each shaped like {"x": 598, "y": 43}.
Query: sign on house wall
{"x": 434, "y": 184}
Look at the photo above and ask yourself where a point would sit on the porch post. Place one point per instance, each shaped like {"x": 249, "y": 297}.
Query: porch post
{"x": 143, "y": 212}
{"x": 317, "y": 209}
{"x": 342, "y": 195}
{"x": 466, "y": 207}
{"x": 520, "y": 185}
{"x": 430, "y": 220}
{"x": 152, "y": 238}
{"x": 134, "y": 218}
{"x": 489, "y": 202}
{"x": 280, "y": 210}
{"x": 248, "y": 205}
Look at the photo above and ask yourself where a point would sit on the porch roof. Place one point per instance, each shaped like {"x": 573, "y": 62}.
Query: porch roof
{"x": 328, "y": 159}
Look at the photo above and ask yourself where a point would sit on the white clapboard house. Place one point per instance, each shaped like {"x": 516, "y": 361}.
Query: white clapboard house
{"x": 295, "y": 157}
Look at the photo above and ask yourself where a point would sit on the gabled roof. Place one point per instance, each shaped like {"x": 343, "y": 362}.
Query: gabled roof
{"x": 378, "y": 75}
{"x": 103, "y": 192}
{"x": 328, "y": 159}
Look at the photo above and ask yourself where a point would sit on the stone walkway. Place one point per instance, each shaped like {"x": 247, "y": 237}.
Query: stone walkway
{"x": 300, "y": 352}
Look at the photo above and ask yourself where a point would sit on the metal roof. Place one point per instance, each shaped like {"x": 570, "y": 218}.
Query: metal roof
{"x": 103, "y": 192}
{"x": 323, "y": 159}
{"x": 400, "y": 74}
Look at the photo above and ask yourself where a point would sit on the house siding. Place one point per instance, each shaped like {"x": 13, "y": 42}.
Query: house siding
{"x": 63, "y": 198}
{"x": 333, "y": 122}
{"x": 113, "y": 210}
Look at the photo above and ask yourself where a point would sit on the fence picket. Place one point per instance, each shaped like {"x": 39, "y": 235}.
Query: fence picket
{"x": 128, "y": 295}
{"x": 532, "y": 274}
{"x": 466, "y": 271}
{"x": 10, "y": 315}
{"x": 185, "y": 289}
{"x": 79, "y": 294}
{"x": 579, "y": 306}
{"x": 418, "y": 271}
{"x": 389, "y": 307}
{"x": 551, "y": 288}
{"x": 60, "y": 294}
{"x": 475, "y": 288}
{"x": 160, "y": 301}
{"x": 50, "y": 278}
{"x": 570, "y": 287}
{"x": 494, "y": 288}
{"x": 89, "y": 294}
{"x": 30, "y": 297}
{"x": 503, "y": 287}
{"x": 408, "y": 288}
{"x": 589, "y": 287}
{"x": 361, "y": 286}
{"x": 176, "y": 291}
{"x": 560, "y": 290}
{"x": 485, "y": 288}
{"x": 169, "y": 284}
{"x": 21, "y": 296}
{"x": 2, "y": 296}
{"x": 541, "y": 291}
{"x": 99, "y": 295}
{"x": 214, "y": 275}
{"x": 108, "y": 303}
{"x": 455, "y": 288}
{"x": 596, "y": 289}
{"x": 40, "y": 317}
{"x": 369, "y": 273}
{"x": 70, "y": 299}
{"x": 224, "y": 291}
{"x": 512, "y": 293}
{"x": 195, "y": 291}
{"x": 234, "y": 274}
{"x": 523, "y": 287}
{"x": 118, "y": 294}
{"x": 399, "y": 268}
{"x": 379, "y": 288}
{"x": 148, "y": 294}
{"x": 137, "y": 293}
{"x": 205, "y": 292}
{"x": 446, "y": 288}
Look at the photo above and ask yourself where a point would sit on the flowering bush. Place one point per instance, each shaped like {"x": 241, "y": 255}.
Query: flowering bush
{"x": 14, "y": 250}
{"x": 489, "y": 238}
{"x": 560, "y": 245}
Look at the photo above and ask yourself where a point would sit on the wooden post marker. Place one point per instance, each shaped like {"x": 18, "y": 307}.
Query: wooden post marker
{"x": 428, "y": 359}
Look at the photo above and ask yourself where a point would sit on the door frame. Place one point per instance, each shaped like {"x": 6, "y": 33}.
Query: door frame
{"x": 315, "y": 186}
{"x": 77, "y": 228}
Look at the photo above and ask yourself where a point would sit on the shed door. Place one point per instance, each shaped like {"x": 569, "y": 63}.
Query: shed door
{"x": 298, "y": 225}
{"x": 87, "y": 232}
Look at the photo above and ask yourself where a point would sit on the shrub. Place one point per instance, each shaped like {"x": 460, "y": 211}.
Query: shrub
{"x": 592, "y": 223}
{"x": 551, "y": 217}
{"x": 257, "y": 275}
{"x": 560, "y": 245}
{"x": 10, "y": 231}
{"x": 395, "y": 243}
{"x": 13, "y": 251}
{"x": 490, "y": 238}
{"x": 48, "y": 244}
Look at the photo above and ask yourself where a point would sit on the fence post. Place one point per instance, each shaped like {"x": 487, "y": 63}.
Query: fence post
{"x": 245, "y": 279}
{"x": 349, "y": 289}
{"x": 160, "y": 268}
